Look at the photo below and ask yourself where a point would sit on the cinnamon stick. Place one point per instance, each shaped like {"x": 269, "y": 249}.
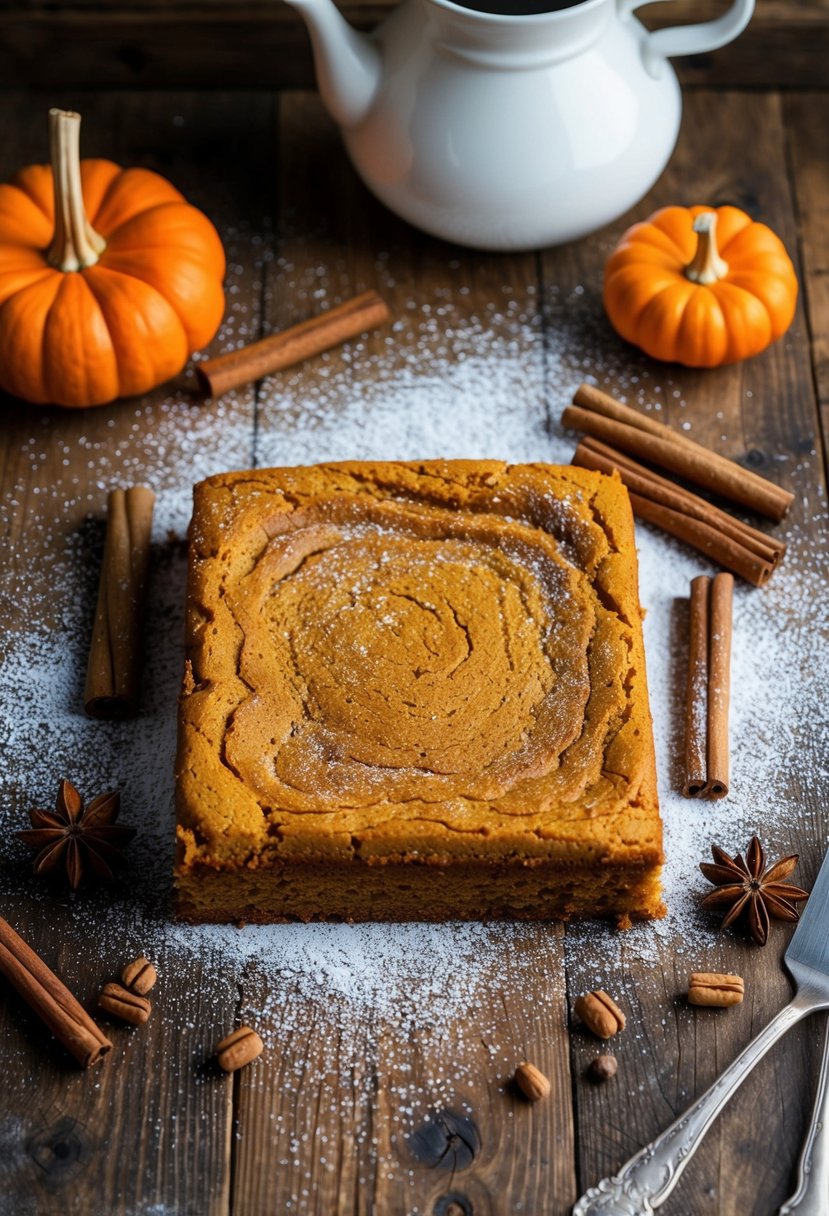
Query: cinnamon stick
{"x": 722, "y": 538}
{"x": 696, "y": 703}
{"x": 302, "y": 341}
{"x": 705, "y": 538}
{"x": 50, "y": 999}
{"x": 603, "y": 417}
{"x": 591, "y": 398}
{"x": 719, "y": 684}
{"x": 645, "y": 481}
{"x": 113, "y": 671}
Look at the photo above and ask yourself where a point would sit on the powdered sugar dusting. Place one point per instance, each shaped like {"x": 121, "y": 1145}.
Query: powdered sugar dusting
{"x": 440, "y": 386}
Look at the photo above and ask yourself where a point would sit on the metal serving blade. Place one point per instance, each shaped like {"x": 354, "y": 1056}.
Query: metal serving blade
{"x": 649, "y": 1178}
{"x": 810, "y": 945}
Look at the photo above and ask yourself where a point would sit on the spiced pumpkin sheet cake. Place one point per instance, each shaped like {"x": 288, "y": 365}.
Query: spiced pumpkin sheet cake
{"x": 415, "y": 692}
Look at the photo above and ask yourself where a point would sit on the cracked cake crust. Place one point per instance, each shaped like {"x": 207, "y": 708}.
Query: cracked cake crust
{"x": 415, "y": 691}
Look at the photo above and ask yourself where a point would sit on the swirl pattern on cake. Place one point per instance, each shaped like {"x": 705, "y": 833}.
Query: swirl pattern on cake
{"x": 414, "y": 661}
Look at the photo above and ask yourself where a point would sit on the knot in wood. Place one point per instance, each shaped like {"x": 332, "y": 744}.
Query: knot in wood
{"x": 755, "y": 459}
{"x": 58, "y": 1149}
{"x": 453, "y": 1204}
{"x": 446, "y": 1140}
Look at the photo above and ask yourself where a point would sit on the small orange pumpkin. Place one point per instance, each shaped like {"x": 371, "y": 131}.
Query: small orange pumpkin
{"x": 671, "y": 291}
{"x": 108, "y": 278}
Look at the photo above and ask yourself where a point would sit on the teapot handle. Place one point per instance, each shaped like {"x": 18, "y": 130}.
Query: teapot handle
{"x": 690, "y": 39}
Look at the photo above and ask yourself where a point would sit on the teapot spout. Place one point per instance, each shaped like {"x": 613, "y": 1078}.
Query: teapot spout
{"x": 347, "y": 62}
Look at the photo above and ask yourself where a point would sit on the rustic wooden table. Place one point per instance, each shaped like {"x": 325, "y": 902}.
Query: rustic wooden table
{"x": 382, "y": 1115}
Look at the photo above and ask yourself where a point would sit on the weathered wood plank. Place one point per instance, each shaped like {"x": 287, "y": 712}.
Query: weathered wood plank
{"x": 807, "y": 123}
{"x": 362, "y": 1112}
{"x": 762, "y": 413}
{"x": 428, "y": 1090}
{"x": 254, "y": 44}
{"x": 149, "y": 1127}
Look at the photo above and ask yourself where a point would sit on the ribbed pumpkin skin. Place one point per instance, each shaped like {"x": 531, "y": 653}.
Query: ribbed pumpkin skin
{"x": 652, "y": 304}
{"x": 118, "y": 328}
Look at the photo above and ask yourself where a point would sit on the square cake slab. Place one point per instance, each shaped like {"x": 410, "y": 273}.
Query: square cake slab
{"x": 415, "y": 692}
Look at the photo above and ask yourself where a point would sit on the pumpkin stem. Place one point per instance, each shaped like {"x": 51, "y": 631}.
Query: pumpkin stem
{"x": 707, "y": 265}
{"x": 75, "y": 244}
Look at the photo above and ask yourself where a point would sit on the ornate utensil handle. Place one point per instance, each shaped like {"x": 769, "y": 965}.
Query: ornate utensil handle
{"x": 812, "y": 1195}
{"x": 648, "y": 1178}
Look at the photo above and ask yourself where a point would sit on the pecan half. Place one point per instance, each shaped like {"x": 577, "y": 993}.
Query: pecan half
{"x": 238, "y": 1049}
{"x": 532, "y": 1083}
{"x": 600, "y": 1014}
{"x": 119, "y": 1002}
{"x": 139, "y": 976}
{"x": 711, "y": 988}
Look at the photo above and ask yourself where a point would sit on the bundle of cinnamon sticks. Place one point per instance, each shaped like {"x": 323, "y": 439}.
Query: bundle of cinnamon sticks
{"x": 618, "y": 435}
{"x": 114, "y": 667}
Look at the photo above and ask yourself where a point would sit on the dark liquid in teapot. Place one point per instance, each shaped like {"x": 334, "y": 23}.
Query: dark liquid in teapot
{"x": 517, "y": 8}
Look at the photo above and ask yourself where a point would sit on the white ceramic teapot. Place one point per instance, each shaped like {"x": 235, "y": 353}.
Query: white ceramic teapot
{"x": 508, "y": 130}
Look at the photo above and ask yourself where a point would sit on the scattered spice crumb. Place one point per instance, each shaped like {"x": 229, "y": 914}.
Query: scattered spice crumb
{"x": 602, "y": 1068}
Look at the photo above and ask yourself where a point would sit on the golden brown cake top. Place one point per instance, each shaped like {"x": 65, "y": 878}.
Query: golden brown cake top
{"x": 430, "y": 659}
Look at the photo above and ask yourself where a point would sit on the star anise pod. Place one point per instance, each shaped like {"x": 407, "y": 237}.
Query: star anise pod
{"x": 77, "y": 835}
{"x": 747, "y": 888}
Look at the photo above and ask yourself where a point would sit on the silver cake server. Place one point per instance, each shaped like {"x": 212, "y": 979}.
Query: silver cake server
{"x": 648, "y": 1179}
{"x": 812, "y": 1195}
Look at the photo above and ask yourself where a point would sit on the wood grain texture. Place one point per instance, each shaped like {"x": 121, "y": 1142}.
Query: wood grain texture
{"x": 762, "y": 414}
{"x": 807, "y": 120}
{"x": 67, "y": 1138}
{"x": 248, "y": 43}
{"x": 379, "y": 1117}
